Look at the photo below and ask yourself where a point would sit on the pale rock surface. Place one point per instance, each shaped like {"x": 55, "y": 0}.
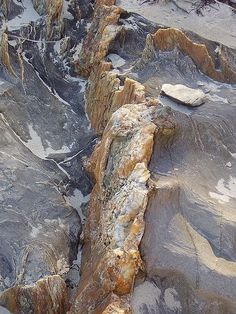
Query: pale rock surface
{"x": 183, "y": 94}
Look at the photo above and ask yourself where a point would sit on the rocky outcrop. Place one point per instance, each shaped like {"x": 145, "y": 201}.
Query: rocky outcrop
{"x": 170, "y": 39}
{"x": 10, "y": 9}
{"x": 159, "y": 234}
{"x": 39, "y": 231}
{"x": 115, "y": 223}
{"x": 52, "y": 9}
{"x": 48, "y": 295}
{"x": 105, "y": 94}
{"x": 190, "y": 263}
{"x": 185, "y": 272}
{"x": 4, "y": 54}
{"x": 101, "y": 33}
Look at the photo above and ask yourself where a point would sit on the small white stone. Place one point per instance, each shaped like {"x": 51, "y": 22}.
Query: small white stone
{"x": 183, "y": 94}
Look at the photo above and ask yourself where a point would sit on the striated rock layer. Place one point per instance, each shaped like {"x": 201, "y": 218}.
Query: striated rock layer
{"x": 41, "y": 172}
{"x": 48, "y": 294}
{"x": 104, "y": 95}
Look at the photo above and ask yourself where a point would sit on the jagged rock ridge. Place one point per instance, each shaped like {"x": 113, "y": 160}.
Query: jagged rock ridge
{"x": 159, "y": 232}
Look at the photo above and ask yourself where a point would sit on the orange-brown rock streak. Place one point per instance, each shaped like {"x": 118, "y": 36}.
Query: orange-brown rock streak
{"x": 171, "y": 38}
{"x": 115, "y": 224}
{"x": 54, "y": 11}
{"x": 105, "y": 95}
{"x": 48, "y": 295}
{"x": 4, "y": 54}
{"x": 102, "y": 32}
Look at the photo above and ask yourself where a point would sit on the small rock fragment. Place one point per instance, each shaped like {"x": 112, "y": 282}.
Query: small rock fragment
{"x": 184, "y": 95}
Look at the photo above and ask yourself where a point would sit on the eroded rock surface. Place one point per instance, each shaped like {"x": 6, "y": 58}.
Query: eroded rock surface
{"x": 158, "y": 233}
{"x": 44, "y": 136}
{"x": 115, "y": 223}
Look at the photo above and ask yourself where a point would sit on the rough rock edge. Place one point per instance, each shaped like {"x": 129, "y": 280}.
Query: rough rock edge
{"x": 53, "y": 11}
{"x": 115, "y": 224}
{"x": 172, "y": 38}
{"x": 104, "y": 95}
{"x": 104, "y": 28}
{"x": 4, "y": 54}
{"x": 120, "y": 195}
{"x": 49, "y": 293}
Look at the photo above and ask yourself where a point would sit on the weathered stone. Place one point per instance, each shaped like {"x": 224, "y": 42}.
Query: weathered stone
{"x": 183, "y": 94}
{"x": 102, "y": 32}
{"x": 115, "y": 223}
{"x": 171, "y": 38}
{"x": 185, "y": 262}
{"x": 4, "y": 54}
{"x": 105, "y": 2}
{"x": 37, "y": 227}
{"x": 104, "y": 95}
{"x": 48, "y": 294}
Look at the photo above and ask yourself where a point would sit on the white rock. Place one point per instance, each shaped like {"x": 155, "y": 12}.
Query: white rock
{"x": 183, "y": 94}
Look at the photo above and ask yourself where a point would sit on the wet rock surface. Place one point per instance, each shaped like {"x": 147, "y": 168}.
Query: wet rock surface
{"x": 158, "y": 234}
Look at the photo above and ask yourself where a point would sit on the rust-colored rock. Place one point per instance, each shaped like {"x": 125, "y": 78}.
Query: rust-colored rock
{"x": 49, "y": 294}
{"x": 114, "y": 304}
{"x": 105, "y": 95}
{"x": 105, "y": 2}
{"x": 53, "y": 10}
{"x": 102, "y": 32}
{"x": 115, "y": 224}
{"x": 171, "y": 38}
{"x": 4, "y": 54}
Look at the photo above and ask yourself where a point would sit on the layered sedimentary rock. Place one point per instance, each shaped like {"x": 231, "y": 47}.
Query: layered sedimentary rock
{"x": 48, "y": 294}
{"x": 169, "y": 286}
{"x": 54, "y": 11}
{"x": 4, "y": 54}
{"x": 212, "y": 20}
{"x": 36, "y": 227}
{"x": 190, "y": 217}
{"x": 40, "y": 167}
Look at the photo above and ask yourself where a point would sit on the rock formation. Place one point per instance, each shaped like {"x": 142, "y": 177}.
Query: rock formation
{"x": 171, "y": 39}
{"x": 5, "y": 58}
{"x": 113, "y": 197}
{"x": 115, "y": 222}
{"x": 102, "y": 31}
{"x": 109, "y": 95}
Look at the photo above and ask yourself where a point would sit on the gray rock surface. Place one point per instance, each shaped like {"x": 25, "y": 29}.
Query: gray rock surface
{"x": 188, "y": 246}
{"x": 44, "y": 137}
